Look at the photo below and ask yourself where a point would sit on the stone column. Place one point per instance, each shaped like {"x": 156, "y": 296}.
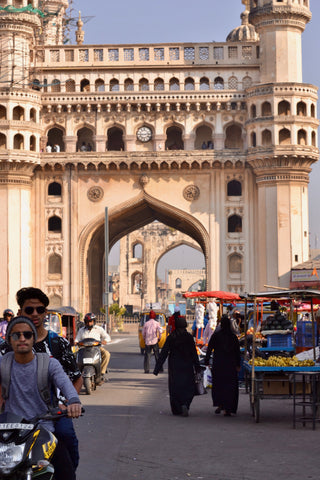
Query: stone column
{"x": 70, "y": 143}
{"x": 100, "y": 143}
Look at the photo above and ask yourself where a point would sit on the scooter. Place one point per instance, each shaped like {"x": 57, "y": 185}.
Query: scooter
{"x": 26, "y": 447}
{"x": 89, "y": 362}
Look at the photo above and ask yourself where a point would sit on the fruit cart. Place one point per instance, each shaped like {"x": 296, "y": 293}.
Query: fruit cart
{"x": 284, "y": 377}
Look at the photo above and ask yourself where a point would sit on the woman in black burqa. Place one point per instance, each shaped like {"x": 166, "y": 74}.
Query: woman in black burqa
{"x": 225, "y": 367}
{"x": 183, "y": 362}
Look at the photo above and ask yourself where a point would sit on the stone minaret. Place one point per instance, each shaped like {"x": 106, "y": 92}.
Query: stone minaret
{"x": 53, "y": 25}
{"x": 282, "y": 138}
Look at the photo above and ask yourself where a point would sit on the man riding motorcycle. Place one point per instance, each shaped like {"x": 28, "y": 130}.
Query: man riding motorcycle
{"x": 91, "y": 330}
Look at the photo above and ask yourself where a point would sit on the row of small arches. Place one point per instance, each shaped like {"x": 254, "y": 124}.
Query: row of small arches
{"x": 283, "y": 109}
{"x": 284, "y": 138}
{"x": 158, "y": 84}
{"x": 18, "y": 113}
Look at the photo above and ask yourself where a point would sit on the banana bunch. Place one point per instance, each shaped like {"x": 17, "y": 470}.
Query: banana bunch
{"x": 275, "y": 361}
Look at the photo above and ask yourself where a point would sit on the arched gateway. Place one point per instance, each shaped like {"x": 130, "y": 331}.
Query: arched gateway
{"x": 124, "y": 219}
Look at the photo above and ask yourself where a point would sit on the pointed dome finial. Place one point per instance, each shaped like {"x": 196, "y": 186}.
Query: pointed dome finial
{"x": 80, "y": 32}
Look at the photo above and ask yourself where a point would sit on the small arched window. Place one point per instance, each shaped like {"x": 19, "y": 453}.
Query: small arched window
{"x": 18, "y": 114}
{"x": 302, "y": 137}
{"x": 54, "y": 224}
{"x": 3, "y": 141}
{"x": 266, "y": 109}
{"x": 235, "y": 224}
{"x": 159, "y": 84}
{"x": 54, "y": 189}
{"x": 301, "y": 109}
{"x": 174, "y": 84}
{"x": 70, "y": 85}
{"x": 218, "y": 83}
{"x": 114, "y": 85}
{"x": 234, "y": 188}
{"x": 137, "y": 251}
{"x": 253, "y": 111}
{"x": 55, "y": 86}
{"x": 284, "y": 137}
{"x": 189, "y": 84}
{"x": 128, "y": 85}
{"x": 54, "y": 267}
{"x": 284, "y": 108}
{"x": 178, "y": 283}
{"x": 99, "y": 85}
{"x": 33, "y": 143}
{"x": 85, "y": 85}
{"x": 266, "y": 138}
{"x": 253, "y": 139}
{"x": 235, "y": 263}
{"x": 143, "y": 85}
{"x": 204, "y": 83}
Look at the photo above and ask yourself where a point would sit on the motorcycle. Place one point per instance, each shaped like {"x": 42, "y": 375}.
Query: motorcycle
{"x": 89, "y": 362}
{"x": 26, "y": 447}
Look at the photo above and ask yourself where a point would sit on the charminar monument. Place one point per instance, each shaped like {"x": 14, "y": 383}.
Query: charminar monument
{"x": 215, "y": 140}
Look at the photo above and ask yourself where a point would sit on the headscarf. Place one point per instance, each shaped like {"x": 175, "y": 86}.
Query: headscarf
{"x": 152, "y": 315}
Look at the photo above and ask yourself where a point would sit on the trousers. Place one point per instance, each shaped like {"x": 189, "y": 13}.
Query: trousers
{"x": 64, "y": 431}
{"x": 147, "y": 354}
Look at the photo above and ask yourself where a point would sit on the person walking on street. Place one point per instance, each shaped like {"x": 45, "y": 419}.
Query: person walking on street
{"x": 23, "y": 397}
{"x": 183, "y": 363}
{"x": 151, "y": 333}
{"x": 90, "y": 330}
{"x": 7, "y": 316}
{"x": 225, "y": 367}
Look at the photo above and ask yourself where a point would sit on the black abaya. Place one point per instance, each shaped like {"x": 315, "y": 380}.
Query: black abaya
{"x": 182, "y": 363}
{"x": 225, "y": 367}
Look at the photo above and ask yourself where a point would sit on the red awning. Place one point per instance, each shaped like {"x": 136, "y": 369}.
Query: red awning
{"x": 214, "y": 294}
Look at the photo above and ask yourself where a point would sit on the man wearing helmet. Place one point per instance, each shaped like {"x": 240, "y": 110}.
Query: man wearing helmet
{"x": 7, "y": 316}
{"x": 91, "y": 330}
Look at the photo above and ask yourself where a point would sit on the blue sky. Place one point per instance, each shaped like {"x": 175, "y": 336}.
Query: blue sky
{"x": 145, "y": 21}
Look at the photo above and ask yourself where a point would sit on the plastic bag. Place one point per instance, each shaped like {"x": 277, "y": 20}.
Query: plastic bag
{"x": 200, "y": 389}
{"x": 207, "y": 378}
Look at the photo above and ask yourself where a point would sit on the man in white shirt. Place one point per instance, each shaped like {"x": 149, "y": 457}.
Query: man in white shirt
{"x": 90, "y": 330}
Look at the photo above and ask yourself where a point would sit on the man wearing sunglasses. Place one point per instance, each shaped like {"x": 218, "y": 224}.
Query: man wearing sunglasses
{"x": 24, "y": 398}
{"x": 33, "y": 304}
{"x": 7, "y": 316}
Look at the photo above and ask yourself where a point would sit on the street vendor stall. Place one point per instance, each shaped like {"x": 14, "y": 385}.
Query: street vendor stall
{"x": 279, "y": 375}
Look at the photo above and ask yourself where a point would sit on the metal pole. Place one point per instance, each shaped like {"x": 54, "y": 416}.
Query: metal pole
{"x": 106, "y": 273}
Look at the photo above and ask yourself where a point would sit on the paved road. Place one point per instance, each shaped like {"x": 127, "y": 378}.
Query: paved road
{"x": 128, "y": 432}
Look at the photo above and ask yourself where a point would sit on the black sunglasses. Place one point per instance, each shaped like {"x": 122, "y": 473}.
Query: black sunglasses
{"x": 30, "y": 310}
{"x": 16, "y": 335}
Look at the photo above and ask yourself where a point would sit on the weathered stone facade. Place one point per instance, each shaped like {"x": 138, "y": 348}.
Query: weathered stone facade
{"x": 128, "y": 123}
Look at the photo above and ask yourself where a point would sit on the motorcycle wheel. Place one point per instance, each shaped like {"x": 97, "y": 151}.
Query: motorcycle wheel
{"x": 87, "y": 385}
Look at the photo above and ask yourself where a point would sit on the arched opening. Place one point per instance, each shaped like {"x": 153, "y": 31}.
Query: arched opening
{"x": 284, "y": 137}
{"x": 174, "y": 139}
{"x": 85, "y": 140}
{"x": 301, "y": 109}
{"x": 35, "y": 85}
{"x": 178, "y": 283}
{"x": 174, "y": 84}
{"x": 99, "y": 85}
{"x": 266, "y": 110}
{"x": 233, "y": 83}
{"x": 128, "y": 85}
{"x": 54, "y": 224}
{"x": 115, "y": 139}
{"x": 234, "y": 224}
{"x": 55, "y": 137}
{"x": 235, "y": 263}
{"x": 313, "y": 110}
{"x": 137, "y": 251}
{"x": 302, "y": 137}
{"x": 253, "y": 111}
{"x": 234, "y": 188}
{"x": 159, "y": 84}
{"x": 218, "y": 83}
{"x": 233, "y": 137}
{"x": 3, "y": 113}
{"x": 70, "y": 85}
{"x": 18, "y": 142}
{"x": 136, "y": 283}
{"x": 253, "y": 138}
{"x": 284, "y": 108}
{"x": 189, "y": 84}
{"x": 33, "y": 115}
{"x": 54, "y": 189}
{"x": 18, "y": 114}
{"x": 126, "y": 218}
{"x": 55, "y": 86}
{"x": 313, "y": 139}
{"x": 84, "y": 85}
{"x": 114, "y": 85}
{"x": 266, "y": 138}
{"x": 203, "y": 138}
{"x": 54, "y": 265}
{"x": 143, "y": 85}
{"x": 33, "y": 143}
{"x": 3, "y": 141}
{"x": 204, "y": 83}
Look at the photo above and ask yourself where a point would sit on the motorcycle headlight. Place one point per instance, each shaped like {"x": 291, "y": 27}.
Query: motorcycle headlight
{"x": 10, "y": 455}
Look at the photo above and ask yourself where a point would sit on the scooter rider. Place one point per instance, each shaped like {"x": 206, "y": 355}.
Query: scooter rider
{"x": 91, "y": 330}
{"x": 7, "y": 316}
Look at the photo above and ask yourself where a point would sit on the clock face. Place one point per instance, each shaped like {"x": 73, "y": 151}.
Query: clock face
{"x": 144, "y": 134}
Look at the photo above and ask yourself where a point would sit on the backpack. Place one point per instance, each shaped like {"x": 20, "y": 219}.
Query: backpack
{"x": 42, "y": 372}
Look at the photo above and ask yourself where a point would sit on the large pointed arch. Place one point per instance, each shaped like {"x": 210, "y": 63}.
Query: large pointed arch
{"x": 124, "y": 219}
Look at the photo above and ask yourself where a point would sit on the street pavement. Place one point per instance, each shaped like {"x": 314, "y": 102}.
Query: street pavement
{"x": 128, "y": 432}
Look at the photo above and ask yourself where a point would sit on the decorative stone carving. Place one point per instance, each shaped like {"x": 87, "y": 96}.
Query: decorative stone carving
{"x": 191, "y": 193}
{"x": 144, "y": 180}
{"x": 95, "y": 194}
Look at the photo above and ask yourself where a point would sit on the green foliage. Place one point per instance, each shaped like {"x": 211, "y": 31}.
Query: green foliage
{"x": 114, "y": 309}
